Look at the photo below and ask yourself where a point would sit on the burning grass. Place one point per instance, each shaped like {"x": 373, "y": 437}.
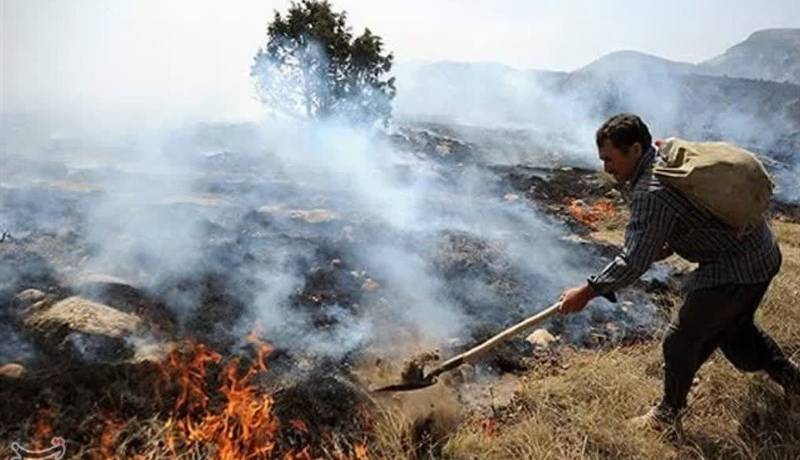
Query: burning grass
{"x": 240, "y": 426}
{"x": 202, "y": 402}
{"x": 194, "y": 404}
{"x": 591, "y": 214}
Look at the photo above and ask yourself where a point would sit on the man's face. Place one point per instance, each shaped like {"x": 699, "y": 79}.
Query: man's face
{"x": 618, "y": 163}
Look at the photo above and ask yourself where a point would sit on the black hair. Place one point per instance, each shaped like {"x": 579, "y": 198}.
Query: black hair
{"x": 624, "y": 130}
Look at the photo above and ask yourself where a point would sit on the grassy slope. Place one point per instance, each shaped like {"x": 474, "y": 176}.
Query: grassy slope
{"x": 579, "y": 410}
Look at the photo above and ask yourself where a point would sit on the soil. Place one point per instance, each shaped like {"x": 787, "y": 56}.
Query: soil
{"x": 414, "y": 367}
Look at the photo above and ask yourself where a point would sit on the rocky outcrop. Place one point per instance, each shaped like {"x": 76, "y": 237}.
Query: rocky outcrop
{"x": 76, "y": 326}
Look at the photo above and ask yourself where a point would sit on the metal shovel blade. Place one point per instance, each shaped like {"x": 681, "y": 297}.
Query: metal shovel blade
{"x": 410, "y": 386}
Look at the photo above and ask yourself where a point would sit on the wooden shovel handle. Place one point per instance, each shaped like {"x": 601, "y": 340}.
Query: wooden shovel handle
{"x": 479, "y": 350}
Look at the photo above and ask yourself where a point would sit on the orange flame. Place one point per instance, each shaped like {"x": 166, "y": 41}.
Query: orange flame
{"x": 219, "y": 409}
{"x": 241, "y": 426}
{"x": 302, "y": 455}
{"x": 43, "y": 428}
{"x": 590, "y": 215}
{"x": 489, "y": 427}
{"x": 299, "y": 425}
{"x": 360, "y": 452}
{"x": 264, "y": 349}
{"x": 108, "y": 439}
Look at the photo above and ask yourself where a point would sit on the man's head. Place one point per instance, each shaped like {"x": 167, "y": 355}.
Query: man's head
{"x": 621, "y": 141}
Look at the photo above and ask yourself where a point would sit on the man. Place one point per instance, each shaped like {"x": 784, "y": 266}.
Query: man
{"x": 723, "y": 293}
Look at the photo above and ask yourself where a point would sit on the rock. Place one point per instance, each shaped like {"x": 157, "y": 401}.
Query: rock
{"x": 151, "y": 351}
{"x": 86, "y": 316}
{"x": 102, "y": 278}
{"x": 541, "y": 338}
{"x": 30, "y": 299}
{"x": 370, "y": 285}
{"x": 444, "y": 148}
{"x": 206, "y": 200}
{"x": 123, "y": 296}
{"x": 576, "y": 239}
{"x": 29, "y": 296}
{"x": 414, "y": 367}
{"x": 85, "y": 328}
{"x": 269, "y": 210}
{"x": 12, "y": 371}
{"x": 313, "y": 216}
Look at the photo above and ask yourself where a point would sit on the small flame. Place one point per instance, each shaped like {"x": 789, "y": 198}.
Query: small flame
{"x": 590, "y": 215}
{"x": 263, "y": 350}
{"x": 304, "y": 454}
{"x": 43, "y": 427}
{"x": 360, "y": 452}
{"x": 108, "y": 439}
{"x": 242, "y": 426}
{"x": 489, "y": 427}
{"x": 299, "y": 425}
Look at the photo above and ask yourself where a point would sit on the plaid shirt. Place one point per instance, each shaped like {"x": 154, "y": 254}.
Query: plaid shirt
{"x": 661, "y": 215}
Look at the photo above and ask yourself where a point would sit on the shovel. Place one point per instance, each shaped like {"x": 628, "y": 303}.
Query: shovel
{"x": 422, "y": 381}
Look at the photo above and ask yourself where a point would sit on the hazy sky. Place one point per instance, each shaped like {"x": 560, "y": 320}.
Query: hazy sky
{"x": 170, "y": 59}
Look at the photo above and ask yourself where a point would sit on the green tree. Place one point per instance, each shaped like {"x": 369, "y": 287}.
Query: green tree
{"x": 313, "y": 67}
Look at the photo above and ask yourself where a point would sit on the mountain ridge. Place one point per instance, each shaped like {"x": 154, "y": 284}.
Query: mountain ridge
{"x": 766, "y": 54}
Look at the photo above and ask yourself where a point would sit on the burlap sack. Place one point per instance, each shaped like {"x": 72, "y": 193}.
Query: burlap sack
{"x": 727, "y": 180}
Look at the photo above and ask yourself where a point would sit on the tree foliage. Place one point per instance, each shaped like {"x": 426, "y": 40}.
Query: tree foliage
{"x": 313, "y": 67}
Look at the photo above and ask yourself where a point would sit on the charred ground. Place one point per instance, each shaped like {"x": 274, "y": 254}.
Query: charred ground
{"x": 152, "y": 367}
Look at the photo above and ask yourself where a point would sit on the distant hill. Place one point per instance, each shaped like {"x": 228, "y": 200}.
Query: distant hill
{"x": 634, "y": 61}
{"x": 749, "y": 94}
{"x": 770, "y": 54}
{"x": 760, "y": 114}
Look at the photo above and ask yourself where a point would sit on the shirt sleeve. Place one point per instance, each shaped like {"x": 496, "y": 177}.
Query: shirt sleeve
{"x": 651, "y": 222}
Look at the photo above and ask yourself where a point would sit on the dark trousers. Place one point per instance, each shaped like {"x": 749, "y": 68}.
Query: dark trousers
{"x": 719, "y": 317}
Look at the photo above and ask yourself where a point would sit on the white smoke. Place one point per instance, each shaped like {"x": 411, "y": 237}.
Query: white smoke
{"x": 560, "y": 111}
{"x": 157, "y": 198}
{"x": 354, "y": 173}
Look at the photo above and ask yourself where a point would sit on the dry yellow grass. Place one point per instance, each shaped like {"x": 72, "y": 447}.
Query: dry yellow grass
{"x": 579, "y": 412}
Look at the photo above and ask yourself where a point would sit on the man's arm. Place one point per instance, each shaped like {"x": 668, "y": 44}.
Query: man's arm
{"x": 645, "y": 238}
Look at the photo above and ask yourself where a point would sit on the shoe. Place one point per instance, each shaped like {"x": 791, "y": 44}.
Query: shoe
{"x": 664, "y": 421}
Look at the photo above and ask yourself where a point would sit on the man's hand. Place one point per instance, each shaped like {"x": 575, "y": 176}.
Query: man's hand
{"x": 575, "y": 299}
